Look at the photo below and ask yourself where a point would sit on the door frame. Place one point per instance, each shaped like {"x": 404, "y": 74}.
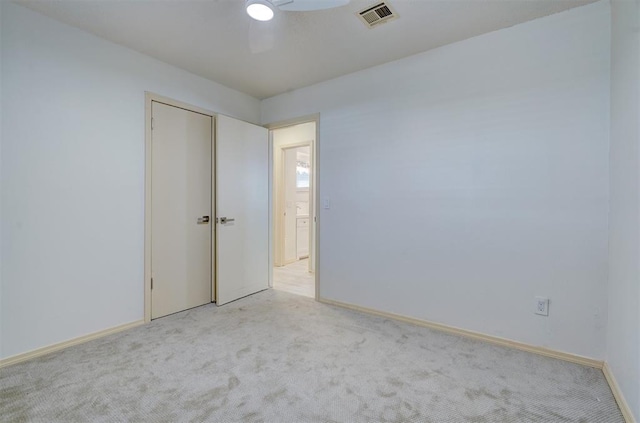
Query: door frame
{"x": 149, "y": 98}
{"x": 314, "y": 199}
{"x": 279, "y": 186}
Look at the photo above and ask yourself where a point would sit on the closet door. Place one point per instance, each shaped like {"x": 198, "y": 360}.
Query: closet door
{"x": 181, "y": 227}
{"x": 242, "y": 203}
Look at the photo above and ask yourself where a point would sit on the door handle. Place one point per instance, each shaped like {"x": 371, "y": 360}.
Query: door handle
{"x": 203, "y": 220}
{"x": 224, "y": 220}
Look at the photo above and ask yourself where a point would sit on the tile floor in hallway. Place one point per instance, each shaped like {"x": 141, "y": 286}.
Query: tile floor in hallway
{"x": 295, "y": 278}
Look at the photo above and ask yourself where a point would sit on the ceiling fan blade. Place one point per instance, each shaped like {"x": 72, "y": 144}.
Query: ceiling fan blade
{"x": 308, "y": 5}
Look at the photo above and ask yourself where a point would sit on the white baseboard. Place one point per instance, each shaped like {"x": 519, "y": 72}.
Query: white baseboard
{"x": 573, "y": 358}
{"x": 19, "y": 358}
{"x": 617, "y": 393}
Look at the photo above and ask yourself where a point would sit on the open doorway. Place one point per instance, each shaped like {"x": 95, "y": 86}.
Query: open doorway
{"x": 294, "y": 208}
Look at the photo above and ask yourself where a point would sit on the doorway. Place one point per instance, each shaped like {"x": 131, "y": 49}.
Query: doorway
{"x": 294, "y": 208}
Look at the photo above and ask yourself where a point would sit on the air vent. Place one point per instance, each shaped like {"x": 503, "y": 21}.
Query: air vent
{"x": 375, "y": 15}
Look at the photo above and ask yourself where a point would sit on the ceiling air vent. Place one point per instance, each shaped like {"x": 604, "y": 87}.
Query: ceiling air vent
{"x": 375, "y": 15}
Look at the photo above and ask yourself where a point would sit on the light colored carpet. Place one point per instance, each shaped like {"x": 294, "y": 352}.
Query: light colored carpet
{"x": 279, "y": 357}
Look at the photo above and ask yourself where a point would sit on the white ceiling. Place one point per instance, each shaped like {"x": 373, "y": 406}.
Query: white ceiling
{"x": 217, "y": 40}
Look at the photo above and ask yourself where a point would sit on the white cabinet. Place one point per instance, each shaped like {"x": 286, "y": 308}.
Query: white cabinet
{"x": 302, "y": 237}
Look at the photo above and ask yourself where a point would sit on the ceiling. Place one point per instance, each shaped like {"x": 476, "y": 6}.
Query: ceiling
{"x": 217, "y": 40}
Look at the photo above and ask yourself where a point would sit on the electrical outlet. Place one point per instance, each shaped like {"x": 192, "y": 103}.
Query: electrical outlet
{"x": 541, "y": 306}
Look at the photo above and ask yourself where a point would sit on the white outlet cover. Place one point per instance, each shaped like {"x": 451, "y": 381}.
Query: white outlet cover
{"x": 541, "y": 306}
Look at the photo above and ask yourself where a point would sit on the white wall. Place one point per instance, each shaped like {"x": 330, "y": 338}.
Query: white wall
{"x": 623, "y": 334}
{"x": 482, "y": 177}
{"x": 1, "y": 53}
{"x": 73, "y": 176}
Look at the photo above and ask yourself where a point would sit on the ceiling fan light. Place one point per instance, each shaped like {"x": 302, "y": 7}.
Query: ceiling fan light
{"x": 259, "y": 10}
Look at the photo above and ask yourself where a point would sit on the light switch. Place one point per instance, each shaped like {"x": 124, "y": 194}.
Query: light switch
{"x": 326, "y": 204}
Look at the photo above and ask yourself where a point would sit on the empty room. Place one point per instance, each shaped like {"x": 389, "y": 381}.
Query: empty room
{"x": 320, "y": 211}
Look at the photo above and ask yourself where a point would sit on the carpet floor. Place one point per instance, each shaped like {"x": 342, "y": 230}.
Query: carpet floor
{"x": 279, "y": 357}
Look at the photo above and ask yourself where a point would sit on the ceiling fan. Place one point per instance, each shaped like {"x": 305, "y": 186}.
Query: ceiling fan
{"x": 262, "y": 10}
